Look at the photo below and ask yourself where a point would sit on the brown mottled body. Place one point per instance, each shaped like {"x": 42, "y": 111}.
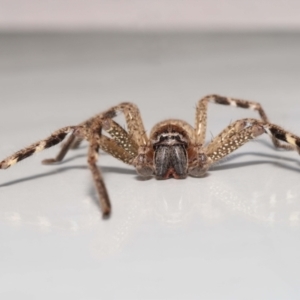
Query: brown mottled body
{"x": 173, "y": 149}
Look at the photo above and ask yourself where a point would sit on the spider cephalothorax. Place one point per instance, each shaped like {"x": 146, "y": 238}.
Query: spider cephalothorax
{"x": 175, "y": 153}
{"x": 173, "y": 149}
{"x": 170, "y": 143}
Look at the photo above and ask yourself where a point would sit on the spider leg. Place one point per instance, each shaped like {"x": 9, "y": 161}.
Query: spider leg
{"x": 63, "y": 151}
{"x": 110, "y": 146}
{"x": 72, "y": 142}
{"x": 224, "y": 143}
{"x": 76, "y": 143}
{"x": 55, "y": 138}
{"x": 199, "y": 161}
{"x": 121, "y": 136}
{"x": 226, "y": 134}
{"x": 201, "y": 115}
{"x": 98, "y": 179}
{"x": 133, "y": 118}
{"x": 136, "y": 132}
{"x": 121, "y": 146}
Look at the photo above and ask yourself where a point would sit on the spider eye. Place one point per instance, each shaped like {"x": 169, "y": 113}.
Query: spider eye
{"x": 162, "y": 138}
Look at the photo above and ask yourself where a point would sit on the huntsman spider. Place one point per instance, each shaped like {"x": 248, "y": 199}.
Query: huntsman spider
{"x": 173, "y": 148}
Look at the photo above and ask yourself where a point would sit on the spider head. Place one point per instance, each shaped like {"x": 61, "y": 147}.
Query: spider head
{"x": 170, "y": 152}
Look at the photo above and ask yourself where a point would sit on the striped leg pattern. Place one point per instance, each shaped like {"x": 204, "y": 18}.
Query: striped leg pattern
{"x": 201, "y": 115}
{"x": 242, "y": 131}
{"x": 55, "y": 138}
{"x": 134, "y": 123}
{"x": 121, "y": 144}
{"x": 64, "y": 149}
{"x": 173, "y": 145}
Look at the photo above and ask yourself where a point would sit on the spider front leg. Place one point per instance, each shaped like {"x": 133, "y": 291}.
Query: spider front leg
{"x": 199, "y": 162}
{"x": 98, "y": 179}
{"x": 133, "y": 119}
{"x": 123, "y": 147}
{"x": 135, "y": 141}
{"x": 243, "y": 131}
{"x": 120, "y": 145}
{"x": 201, "y": 115}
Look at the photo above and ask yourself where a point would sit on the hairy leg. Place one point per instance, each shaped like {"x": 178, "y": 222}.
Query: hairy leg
{"x": 201, "y": 115}
{"x": 98, "y": 180}
{"x": 63, "y": 151}
{"x": 136, "y": 132}
{"x": 221, "y": 147}
{"x": 121, "y": 136}
{"x": 55, "y": 138}
{"x": 133, "y": 118}
{"x": 111, "y": 146}
{"x": 226, "y": 134}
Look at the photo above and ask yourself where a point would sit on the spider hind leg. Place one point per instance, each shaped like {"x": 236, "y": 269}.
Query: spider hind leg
{"x": 225, "y": 143}
{"x": 55, "y": 138}
{"x": 60, "y": 156}
{"x": 201, "y": 115}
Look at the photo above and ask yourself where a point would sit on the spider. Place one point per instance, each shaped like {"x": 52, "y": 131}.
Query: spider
{"x": 173, "y": 149}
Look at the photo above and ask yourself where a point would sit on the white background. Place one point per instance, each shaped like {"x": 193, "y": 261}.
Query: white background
{"x": 232, "y": 235}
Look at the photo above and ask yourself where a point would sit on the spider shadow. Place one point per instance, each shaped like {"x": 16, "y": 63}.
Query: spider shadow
{"x": 281, "y": 161}
{"x": 91, "y": 192}
{"x": 104, "y": 170}
{"x": 275, "y": 160}
{"x": 74, "y": 157}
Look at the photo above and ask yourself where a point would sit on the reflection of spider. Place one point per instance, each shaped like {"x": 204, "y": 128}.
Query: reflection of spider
{"x": 173, "y": 149}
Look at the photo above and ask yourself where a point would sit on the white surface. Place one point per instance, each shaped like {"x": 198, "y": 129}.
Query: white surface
{"x": 149, "y": 15}
{"x": 232, "y": 235}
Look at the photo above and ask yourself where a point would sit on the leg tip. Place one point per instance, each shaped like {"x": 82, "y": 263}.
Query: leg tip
{"x": 106, "y": 215}
{"x": 4, "y": 166}
{"x": 49, "y": 161}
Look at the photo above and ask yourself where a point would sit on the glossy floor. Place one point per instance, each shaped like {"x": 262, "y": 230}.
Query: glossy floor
{"x": 234, "y": 234}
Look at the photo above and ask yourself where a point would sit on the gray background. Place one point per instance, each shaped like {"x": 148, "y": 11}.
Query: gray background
{"x": 149, "y": 15}
{"x": 231, "y": 235}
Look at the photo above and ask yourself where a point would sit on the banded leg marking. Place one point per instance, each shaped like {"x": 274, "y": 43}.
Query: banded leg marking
{"x": 136, "y": 131}
{"x": 220, "y": 148}
{"x": 238, "y": 103}
{"x": 201, "y": 115}
{"x": 61, "y": 154}
{"x": 55, "y": 138}
{"x": 280, "y": 134}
